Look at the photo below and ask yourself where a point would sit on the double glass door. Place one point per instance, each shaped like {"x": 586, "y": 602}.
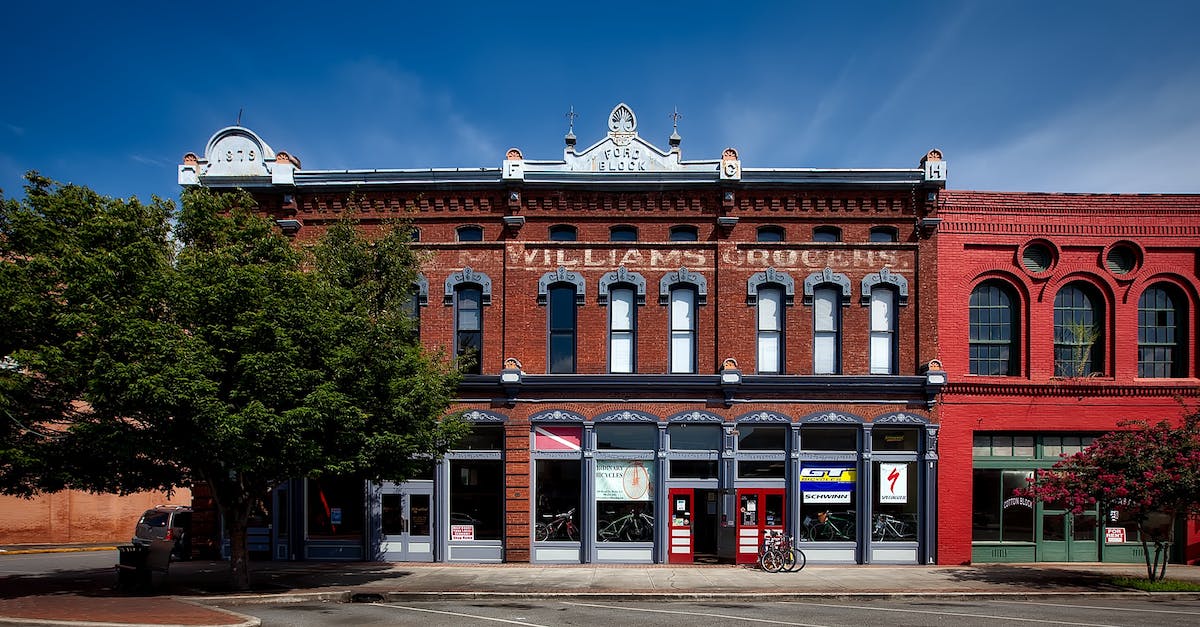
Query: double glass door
{"x": 407, "y": 517}
{"x": 1068, "y": 537}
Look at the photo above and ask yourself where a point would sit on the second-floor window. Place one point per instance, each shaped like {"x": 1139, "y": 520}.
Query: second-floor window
{"x": 883, "y": 331}
{"x": 622, "y": 335}
{"x": 683, "y": 331}
{"x": 993, "y": 330}
{"x": 827, "y": 331}
{"x": 1161, "y": 349}
{"x": 468, "y": 328}
{"x": 770, "y": 330}
{"x": 562, "y": 329}
{"x": 1078, "y": 331}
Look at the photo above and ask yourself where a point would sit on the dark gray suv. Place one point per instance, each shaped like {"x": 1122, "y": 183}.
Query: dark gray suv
{"x": 167, "y": 522}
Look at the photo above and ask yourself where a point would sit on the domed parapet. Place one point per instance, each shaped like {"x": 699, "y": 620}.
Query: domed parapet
{"x": 236, "y": 153}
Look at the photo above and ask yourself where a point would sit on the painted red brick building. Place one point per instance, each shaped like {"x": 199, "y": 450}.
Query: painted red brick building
{"x": 1060, "y": 315}
{"x": 666, "y": 358}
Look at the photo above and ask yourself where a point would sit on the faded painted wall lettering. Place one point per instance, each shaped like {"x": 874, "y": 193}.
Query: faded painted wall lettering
{"x": 633, "y": 258}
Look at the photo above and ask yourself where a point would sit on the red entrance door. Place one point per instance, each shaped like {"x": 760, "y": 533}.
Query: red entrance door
{"x": 681, "y": 537}
{"x": 759, "y": 510}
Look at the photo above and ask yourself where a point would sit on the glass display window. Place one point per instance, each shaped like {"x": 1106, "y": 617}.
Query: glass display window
{"x": 334, "y": 508}
{"x": 627, "y": 437}
{"x": 557, "y": 492}
{"x": 476, "y": 499}
{"x": 624, "y": 492}
{"x": 896, "y": 498}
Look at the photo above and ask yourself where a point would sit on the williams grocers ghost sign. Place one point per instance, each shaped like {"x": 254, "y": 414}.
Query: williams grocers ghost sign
{"x": 624, "y": 480}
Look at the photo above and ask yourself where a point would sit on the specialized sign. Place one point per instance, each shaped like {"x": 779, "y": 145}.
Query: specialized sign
{"x": 827, "y": 482}
{"x": 556, "y": 438}
{"x": 624, "y": 480}
{"x": 462, "y": 532}
{"x": 893, "y": 483}
{"x": 1114, "y": 535}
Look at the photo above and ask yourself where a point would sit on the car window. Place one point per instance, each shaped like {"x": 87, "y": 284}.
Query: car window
{"x": 182, "y": 519}
{"x": 155, "y": 519}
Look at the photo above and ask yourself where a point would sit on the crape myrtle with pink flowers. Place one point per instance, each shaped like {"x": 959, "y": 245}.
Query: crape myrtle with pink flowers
{"x": 1150, "y": 472}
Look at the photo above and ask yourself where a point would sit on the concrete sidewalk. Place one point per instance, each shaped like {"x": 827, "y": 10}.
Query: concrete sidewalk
{"x": 185, "y": 595}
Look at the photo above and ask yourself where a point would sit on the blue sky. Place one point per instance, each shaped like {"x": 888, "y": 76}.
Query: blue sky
{"x": 1090, "y": 96}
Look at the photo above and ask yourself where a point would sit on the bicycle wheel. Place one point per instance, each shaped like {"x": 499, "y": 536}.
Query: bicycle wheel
{"x": 821, "y": 531}
{"x": 542, "y": 532}
{"x": 606, "y": 531}
{"x": 794, "y": 560}
{"x": 572, "y": 532}
{"x": 771, "y": 560}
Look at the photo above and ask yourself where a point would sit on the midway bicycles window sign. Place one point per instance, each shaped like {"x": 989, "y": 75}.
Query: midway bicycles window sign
{"x": 624, "y": 480}
{"x": 827, "y": 483}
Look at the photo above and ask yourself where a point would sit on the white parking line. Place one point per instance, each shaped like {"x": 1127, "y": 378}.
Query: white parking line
{"x": 704, "y": 614}
{"x": 497, "y": 620}
{"x": 1098, "y": 607}
{"x": 962, "y": 614}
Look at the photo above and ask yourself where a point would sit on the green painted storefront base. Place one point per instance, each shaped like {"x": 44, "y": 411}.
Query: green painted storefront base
{"x": 993, "y": 552}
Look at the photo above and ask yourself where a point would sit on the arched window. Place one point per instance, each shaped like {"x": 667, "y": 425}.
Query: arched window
{"x": 683, "y": 330}
{"x": 562, "y": 329}
{"x": 468, "y": 327}
{"x": 684, "y": 233}
{"x": 827, "y": 234}
{"x": 1162, "y": 350}
{"x": 1078, "y": 331}
{"x": 562, "y": 233}
{"x": 770, "y": 329}
{"x": 884, "y": 234}
{"x": 993, "y": 330}
{"x": 470, "y": 233}
{"x": 883, "y": 331}
{"x": 770, "y": 234}
{"x": 622, "y": 233}
{"x": 622, "y": 330}
{"x": 827, "y": 329}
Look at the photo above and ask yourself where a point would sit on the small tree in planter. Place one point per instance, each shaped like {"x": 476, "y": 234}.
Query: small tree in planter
{"x": 1150, "y": 472}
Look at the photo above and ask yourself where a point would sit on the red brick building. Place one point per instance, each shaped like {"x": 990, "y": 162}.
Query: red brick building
{"x": 1060, "y": 315}
{"x": 666, "y": 358}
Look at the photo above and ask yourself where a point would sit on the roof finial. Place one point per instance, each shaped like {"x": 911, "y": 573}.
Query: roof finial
{"x": 675, "y": 117}
{"x": 571, "y": 115}
{"x": 239, "y": 118}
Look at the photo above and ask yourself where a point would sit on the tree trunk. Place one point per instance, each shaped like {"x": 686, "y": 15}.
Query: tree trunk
{"x": 1150, "y": 567}
{"x": 238, "y": 519}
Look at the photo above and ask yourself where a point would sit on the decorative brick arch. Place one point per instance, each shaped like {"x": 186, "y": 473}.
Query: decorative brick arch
{"x": 618, "y": 277}
{"x": 468, "y": 276}
{"x": 827, "y": 276}
{"x": 770, "y": 276}
{"x": 561, "y": 275}
{"x": 683, "y": 275}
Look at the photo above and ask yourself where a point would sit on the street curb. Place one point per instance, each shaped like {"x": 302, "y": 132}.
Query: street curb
{"x": 80, "y": 549}
{"x": 242, "y": 620}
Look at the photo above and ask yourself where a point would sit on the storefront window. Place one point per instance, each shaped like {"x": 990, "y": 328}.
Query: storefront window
{"x": 558, "y": 494}
{"x": 483, "y": 438}
{"x": 687, "y": 437}
{"x": 476, "y": 499}
{"x": 335, "y": 508}
{"x": 762, "y": 437}
{"x": 772, "y": 469}
{"x": 999, "y": 515}
{"x": 693, "y": 468}
{"x": 887, "y": 439}
{"x": 829, "y": 439}
{"x": 829, "y": 501}
{"x": 895, "y": 502}
{"x": 625, "y": 437}
{"x": 624, "y": 500}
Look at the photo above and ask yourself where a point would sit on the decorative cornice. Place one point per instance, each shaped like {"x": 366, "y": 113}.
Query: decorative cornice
{"x": 557, "y": 415}
{"x": 1090, "y": 388}
{"x": 768, "y": 277}
{"x": 561, "y": 275}
{"x": 484, "y": 416}
{"x": 885, "y": 277}
{"x": 682, "y": 275}
{"x": 622, "y": 276}
{"x": 763, "y": 417}
{"x": 469, "y": 276}
{"x": 422, "y": 285}
{"x": 831, "y": 417}
{"x": 625, "y": 415}
{"x": 695, "y": 416}
{"x": 823, "y": 277}
{"x": 901, "y": 418}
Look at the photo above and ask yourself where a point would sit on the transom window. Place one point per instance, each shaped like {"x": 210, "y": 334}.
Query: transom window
{"x": 684, "y": 233}
{"x": 1161, "y": 348}
{"x": 470, "y": 233}
{"x": 993, "y": 330}
{"x": 1078, "y": 331}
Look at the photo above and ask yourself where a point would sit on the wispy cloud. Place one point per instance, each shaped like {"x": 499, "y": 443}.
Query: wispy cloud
{"x": 150, "y": 161}
{"x": 1142, "y": 139}
{"x": 14, "y": 129}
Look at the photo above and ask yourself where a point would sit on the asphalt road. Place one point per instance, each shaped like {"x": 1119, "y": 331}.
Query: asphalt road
{"x": 890, "y": 612}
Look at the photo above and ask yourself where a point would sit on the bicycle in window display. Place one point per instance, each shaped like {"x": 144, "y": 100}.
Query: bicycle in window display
{"x": 831, "y": 526}
{"x": 558, "y": 527}
{"x": 888, "y": 527}
{"x": 636, "y": 526}
{"x": 779, "y": 553}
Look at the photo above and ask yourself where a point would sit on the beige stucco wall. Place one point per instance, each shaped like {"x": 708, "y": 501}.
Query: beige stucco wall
{"x": 77, "y": 517}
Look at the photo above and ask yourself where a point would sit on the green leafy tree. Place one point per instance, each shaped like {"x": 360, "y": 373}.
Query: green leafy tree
{"x": 1150, "y": 472}
{"x": 226, "y": 356}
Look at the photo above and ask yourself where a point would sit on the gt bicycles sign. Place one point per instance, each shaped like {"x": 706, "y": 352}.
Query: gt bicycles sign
{"x": 827, "y": 483}
{"x": 624, "y": 480}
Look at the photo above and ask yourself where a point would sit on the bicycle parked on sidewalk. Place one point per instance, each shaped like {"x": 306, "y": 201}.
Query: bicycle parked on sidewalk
{"x": 632, "y": 527}
{"x": 779, "y": 553}
{"x": 830, "y": 526}
{"x": 559, "y": 527}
